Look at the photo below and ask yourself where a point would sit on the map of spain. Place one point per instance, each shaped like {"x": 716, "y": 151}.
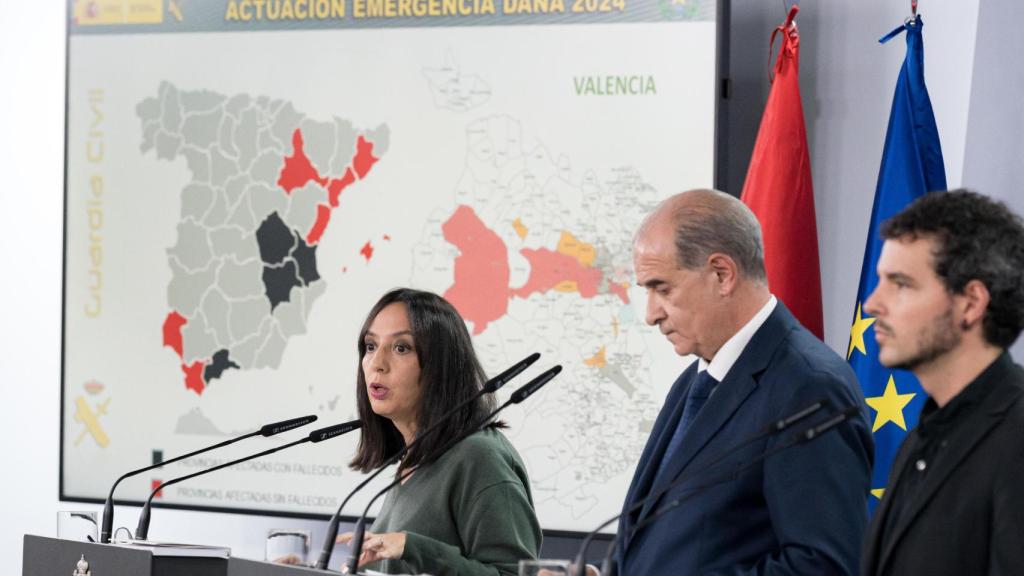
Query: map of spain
{"x": 264, "y": 182}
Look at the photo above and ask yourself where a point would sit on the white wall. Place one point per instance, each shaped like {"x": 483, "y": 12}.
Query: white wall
{"x": 847, "y": 82}
{"x": 31, "y": 161}
{"x": 994, "y": 156}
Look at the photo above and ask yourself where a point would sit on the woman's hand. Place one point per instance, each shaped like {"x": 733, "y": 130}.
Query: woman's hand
{"x": 290, "y": 559}
{"x": 388, "y": 546}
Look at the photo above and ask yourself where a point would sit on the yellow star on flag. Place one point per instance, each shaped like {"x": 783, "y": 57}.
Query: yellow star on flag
{"x": 878, "y": 493}
{"x": 889, "y": 406}
{"x": 860, "y": 326}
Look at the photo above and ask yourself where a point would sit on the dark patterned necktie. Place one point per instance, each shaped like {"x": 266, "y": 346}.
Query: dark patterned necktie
{"x": 696, "y": 396}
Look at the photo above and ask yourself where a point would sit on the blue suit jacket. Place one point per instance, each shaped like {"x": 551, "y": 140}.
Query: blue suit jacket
{"x": 801, "y": 511}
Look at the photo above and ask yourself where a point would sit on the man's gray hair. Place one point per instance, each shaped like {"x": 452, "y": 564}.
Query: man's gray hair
{"x": 709, "y": 221}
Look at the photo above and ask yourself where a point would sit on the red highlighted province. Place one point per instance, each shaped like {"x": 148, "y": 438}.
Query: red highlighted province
{"x": 560, "y": 272}
{"x": 336, "y": 186}
{"x": 367, "y": 251}
{"x": 172, "y": 331}
{"x": 620, "y": 290}
{"x": 323, "y": 216}
{"x": 194, "y": 373}
{"x": 194, "y": 376}
{"x": 298, "y": 170}
{"x": 364, "y": 159}
{"x": 480, "y": 292}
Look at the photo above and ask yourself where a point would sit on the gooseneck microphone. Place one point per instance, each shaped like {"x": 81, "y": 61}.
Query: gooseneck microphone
{"x": 804, "y": 436}
{"x": 318, "y": 435}
{"x": 770, "y": 430}
{"x": 522, "y": 393}
{"x": 489, "y": 387}
{"x": 267, "y": 430}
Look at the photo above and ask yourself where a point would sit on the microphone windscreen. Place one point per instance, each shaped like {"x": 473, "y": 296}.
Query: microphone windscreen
{"x": 331, "y": 431}
{"x": 285, "y": 425}
{"x": 527, "y": 390}
{"x": 500, "y": 380}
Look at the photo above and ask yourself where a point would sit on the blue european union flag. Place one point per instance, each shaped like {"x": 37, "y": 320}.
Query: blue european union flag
{"x": 911, "y": 166}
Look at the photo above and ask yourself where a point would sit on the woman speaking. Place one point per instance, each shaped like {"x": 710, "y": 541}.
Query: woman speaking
{"x": 466, "y": 510}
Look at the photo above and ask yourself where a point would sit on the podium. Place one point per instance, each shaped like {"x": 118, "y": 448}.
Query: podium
{"x": 44, "y": 556}
{"x": 244, "y": 567}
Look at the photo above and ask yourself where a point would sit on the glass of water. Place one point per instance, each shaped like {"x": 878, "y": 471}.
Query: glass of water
{"x": 77, "y": 525}
{"x": 288, "y": 547}
{"x": 543, "y": 568}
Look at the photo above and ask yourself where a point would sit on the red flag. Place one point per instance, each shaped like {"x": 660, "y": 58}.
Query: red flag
{"x": 778, "y": 189}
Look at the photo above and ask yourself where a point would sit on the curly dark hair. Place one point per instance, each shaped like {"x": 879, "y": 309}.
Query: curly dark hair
{"x": 449, "y": 374}
{"x": 978, "y": 239}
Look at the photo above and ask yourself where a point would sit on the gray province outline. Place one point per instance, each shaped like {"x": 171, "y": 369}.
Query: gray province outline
{"x": 454, "y": 90}
{"x": 597, "y": 417}
{"x": 240, "y": 308}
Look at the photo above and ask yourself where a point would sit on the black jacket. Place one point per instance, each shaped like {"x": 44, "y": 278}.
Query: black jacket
{"x": 967, "y": 516}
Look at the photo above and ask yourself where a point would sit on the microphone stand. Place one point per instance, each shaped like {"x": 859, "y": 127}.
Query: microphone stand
{"x": 524, "y": 392}
{"x": 489, "y": 387}
{"x": 142, "y": 530}
{"x": 107, "y": 524}
{"x": 770, "y": 430}
{"x": 804, "y": 436}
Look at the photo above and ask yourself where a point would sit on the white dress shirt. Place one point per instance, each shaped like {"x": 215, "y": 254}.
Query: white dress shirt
{"x": 730, "y": 351}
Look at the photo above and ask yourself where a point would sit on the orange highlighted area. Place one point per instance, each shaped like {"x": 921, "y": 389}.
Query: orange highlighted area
{"x": 598, "y": 360}
{"x": 481, "y": 289}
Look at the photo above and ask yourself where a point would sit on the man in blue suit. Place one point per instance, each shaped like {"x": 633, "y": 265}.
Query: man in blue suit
{"x": 802, "y": 510}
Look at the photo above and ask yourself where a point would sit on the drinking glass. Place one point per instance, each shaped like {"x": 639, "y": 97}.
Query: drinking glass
{"x": 288, "y": 546}
{"x": 77, "y": 525}
{"x": 543, "y": 568}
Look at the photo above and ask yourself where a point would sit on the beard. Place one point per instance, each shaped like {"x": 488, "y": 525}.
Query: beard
{"x": 932, "y": 341}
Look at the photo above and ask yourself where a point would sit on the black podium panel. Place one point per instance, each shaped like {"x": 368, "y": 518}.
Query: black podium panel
{"x": 53, "y": 557}
{"x": 243, "y": 567}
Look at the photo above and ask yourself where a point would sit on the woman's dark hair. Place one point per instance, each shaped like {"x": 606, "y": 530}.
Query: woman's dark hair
{"x": 449, "y": 374}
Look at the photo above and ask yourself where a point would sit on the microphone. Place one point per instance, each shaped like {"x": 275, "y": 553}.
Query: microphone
{"x": 267, "y": 430}
{"x": 318, "y": 435}
{"x": 505, "y": 377}
{"x": 802, "y": 437}
{"x": 489, "y": 387}
{"x": 522, "y": 393}
{"x": 770, "y": 430}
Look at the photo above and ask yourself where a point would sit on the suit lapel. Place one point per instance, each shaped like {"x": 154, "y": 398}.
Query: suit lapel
{"x": 730, "y": 394}
{"x": 982, "y": 420}
{"x": 882, "y": 512}
{"x": 674, "y": 404}
{"x": 716, "y": 412}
